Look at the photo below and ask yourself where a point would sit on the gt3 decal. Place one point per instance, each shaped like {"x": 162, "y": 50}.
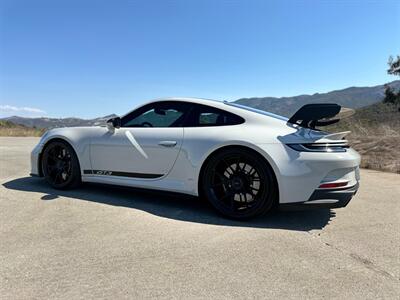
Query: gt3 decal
{"x": 121, "y": 174}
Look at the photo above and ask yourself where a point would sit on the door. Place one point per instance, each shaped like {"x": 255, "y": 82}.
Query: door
{"x": 146, "y": 145}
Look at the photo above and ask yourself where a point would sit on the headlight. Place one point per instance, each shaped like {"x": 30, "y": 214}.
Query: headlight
{"x": 320, "y": 147}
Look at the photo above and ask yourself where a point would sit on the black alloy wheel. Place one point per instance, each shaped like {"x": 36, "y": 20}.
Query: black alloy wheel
{"x": 60, "y": 165}
{"x": 239, "y": 184}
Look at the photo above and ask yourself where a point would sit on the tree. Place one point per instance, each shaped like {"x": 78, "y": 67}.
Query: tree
{"x": 390, "y": 96}
{"x": 394, "y": 66}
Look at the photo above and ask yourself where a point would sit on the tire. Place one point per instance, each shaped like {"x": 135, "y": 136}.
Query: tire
{"x": 60, "y": 165}
{"x": 239, "y": 184}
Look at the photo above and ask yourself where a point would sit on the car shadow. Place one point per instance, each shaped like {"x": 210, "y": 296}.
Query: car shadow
{"x": 173, "y": 206}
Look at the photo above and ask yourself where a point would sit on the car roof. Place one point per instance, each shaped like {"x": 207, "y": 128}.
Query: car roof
{"x": 205, "y": 101}
{"x": 225, "y": 105}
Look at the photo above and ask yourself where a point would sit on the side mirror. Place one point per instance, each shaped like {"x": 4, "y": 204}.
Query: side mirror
{"x": 114, "y": 123}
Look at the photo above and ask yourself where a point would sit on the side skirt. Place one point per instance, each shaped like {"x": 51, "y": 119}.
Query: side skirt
{"x": 122, "y": 174}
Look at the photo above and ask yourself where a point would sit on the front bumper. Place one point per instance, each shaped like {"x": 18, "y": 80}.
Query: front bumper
{"x": 325, "y": 198}
{"x": 35, "y": 154}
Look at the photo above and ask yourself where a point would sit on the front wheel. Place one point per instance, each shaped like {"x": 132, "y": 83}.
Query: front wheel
{"x": 60, "y": 165}
{"x": 239, "y": 184}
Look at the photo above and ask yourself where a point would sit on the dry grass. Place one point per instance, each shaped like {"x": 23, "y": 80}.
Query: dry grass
{"x": 375, "y": 134}
{"x": 11, "y": 129}
{"x": 378, "y": 152}
{"x": 20, "y": 132}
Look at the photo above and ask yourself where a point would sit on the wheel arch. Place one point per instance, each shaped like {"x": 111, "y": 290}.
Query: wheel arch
{"x": 269, "y": 162}
{"x": 47, "y": 143}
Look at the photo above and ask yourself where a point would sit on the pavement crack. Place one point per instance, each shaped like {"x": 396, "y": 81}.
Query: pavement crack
{"x": 371, "y": 266}
{"x": 365, "y": 262}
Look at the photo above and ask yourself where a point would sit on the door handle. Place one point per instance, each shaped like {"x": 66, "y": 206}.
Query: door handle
{"x": 167, "y": 143}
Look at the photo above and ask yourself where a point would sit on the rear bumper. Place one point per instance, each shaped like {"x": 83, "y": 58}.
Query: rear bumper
{"x": 325, "y": 198}
{"x": 299, "y": 174}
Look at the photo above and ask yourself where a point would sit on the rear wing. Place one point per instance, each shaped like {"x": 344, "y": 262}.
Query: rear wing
{"x": 312, "y": 115}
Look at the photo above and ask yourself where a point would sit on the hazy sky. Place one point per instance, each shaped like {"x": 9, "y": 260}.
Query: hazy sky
{"x": 92, "y": 58}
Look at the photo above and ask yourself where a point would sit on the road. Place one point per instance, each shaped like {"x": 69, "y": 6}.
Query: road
{"x": 109, "y": 242}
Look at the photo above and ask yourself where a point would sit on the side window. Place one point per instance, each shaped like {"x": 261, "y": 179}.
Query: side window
{"x": 203, "y": 115}
{"x": 208, "y": 118}
{"x": 159, "y": 114}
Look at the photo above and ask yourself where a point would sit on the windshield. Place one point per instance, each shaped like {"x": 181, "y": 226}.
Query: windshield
{"x": 259, "y": 111}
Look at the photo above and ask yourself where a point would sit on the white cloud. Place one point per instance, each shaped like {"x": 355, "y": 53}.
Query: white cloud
{"x": 24, "y": 110}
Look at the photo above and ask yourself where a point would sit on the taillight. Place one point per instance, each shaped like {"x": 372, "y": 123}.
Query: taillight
{"x": 320, "y": 147}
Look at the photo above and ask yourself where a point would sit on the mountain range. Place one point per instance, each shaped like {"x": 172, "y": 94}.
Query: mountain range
{"x": 57, "y": 122}
{"x": 352, "y": 97}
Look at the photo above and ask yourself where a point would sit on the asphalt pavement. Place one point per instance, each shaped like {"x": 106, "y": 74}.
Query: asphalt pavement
{"x": 109, "y": 242}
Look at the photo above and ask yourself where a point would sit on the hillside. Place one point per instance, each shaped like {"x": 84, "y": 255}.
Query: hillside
{"x": 57, "y": 122}
{"x": 352, "y": 97}
{"x": 375, "y": 134}
{"x": 8, "y": 128}
{"x": 375, "y": 119}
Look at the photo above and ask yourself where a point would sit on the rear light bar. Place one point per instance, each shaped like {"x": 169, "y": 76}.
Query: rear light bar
{"x": 332, "y": 185}
{"x": 320, "y": 147}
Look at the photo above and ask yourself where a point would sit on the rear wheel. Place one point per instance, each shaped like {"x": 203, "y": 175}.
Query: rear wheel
{"x": 239, "y": 184}
{"x": 60, "y": 165}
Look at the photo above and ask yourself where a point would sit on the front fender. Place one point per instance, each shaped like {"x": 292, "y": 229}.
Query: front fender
{"x": 79, "y": 139}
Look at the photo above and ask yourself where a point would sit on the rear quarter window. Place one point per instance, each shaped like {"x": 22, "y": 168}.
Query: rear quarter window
{"x": 203, "y": 115}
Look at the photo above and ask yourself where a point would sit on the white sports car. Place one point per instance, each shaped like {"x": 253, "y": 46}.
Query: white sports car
{"x": 243, "y": 161}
